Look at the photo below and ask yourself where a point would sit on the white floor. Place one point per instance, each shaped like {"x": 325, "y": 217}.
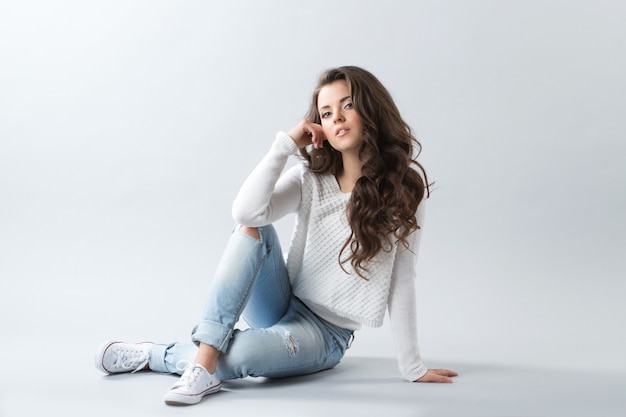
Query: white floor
{"x": 359, "y": 386}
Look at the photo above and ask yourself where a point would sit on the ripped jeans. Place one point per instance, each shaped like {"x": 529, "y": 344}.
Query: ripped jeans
{"x": 285, "y": 338}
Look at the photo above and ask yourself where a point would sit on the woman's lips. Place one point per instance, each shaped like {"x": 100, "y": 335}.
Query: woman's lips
{"x": 341, "y": 131}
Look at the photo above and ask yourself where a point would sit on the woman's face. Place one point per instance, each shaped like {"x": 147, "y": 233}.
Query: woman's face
{"x": 341, "y": 124}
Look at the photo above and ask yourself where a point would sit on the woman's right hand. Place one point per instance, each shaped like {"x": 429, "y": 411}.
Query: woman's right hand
{"x": 437, "y": 375}
{"x": 306, "y": 133}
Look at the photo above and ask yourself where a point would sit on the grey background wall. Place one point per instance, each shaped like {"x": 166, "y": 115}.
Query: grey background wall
{"x": 127, "y": 127}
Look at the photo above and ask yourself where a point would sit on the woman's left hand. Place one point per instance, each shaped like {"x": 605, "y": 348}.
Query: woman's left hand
{"x": 437, "y": 375}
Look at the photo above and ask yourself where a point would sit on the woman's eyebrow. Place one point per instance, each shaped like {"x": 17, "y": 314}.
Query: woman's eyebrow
{"x": 341, "y": 101}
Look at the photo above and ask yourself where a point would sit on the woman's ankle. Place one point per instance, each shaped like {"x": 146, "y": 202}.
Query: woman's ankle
{"x": 207, "y": 357}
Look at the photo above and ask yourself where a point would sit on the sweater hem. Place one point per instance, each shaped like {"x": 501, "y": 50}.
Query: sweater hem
{"x": 361, "y": 320}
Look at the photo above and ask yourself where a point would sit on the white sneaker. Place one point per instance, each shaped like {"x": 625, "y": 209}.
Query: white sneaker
{"x": 115, "y": 357}
{"x": 195, "y": 383}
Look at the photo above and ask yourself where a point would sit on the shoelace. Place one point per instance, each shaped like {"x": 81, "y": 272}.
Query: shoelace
{"x": 190, "y": 373}
{"x": 128, "y": 359}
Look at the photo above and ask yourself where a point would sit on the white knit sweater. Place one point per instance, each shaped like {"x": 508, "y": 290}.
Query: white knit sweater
{"x": 321, "y": 229}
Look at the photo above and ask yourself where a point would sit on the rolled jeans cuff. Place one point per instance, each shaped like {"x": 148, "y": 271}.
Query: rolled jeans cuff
{"x": 157, "y": 358}
{"x": 213, "y": 334}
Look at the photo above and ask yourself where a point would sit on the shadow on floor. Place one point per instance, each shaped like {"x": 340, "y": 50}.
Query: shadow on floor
{"x": 359, "y": 386}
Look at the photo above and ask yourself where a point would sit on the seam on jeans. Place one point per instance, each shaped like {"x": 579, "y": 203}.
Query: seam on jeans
{"x": 226, "y": 339}
{"x": 257, "y": 268}
{"x": 280, "y": 265}
{"x": 318, "y": 364}
{"x": 337, "y": 343}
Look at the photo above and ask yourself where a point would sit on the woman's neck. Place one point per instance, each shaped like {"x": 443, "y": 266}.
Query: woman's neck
{"x": 350, "y": 173}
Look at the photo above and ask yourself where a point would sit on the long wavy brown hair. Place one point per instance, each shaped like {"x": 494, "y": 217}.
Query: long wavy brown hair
{"x": 381, "y": 210}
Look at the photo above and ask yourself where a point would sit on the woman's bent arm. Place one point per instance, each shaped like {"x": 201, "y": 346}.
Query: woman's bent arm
{"x": 266, "y": 195}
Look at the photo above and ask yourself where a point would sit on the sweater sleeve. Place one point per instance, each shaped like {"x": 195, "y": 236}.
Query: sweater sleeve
{"x": 402, "y": 305}
{"x": 266, "y": 195}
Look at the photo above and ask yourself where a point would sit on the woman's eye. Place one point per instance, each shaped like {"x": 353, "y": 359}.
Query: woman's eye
{"x": 325, "y": 114}
{"x": 348, "y": 106}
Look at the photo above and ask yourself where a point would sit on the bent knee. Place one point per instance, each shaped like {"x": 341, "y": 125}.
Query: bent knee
{"x": 251, "y": 231}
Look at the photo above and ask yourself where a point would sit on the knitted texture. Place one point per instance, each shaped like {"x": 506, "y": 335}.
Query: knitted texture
{"x": 268, "y": 195}
{"x": 313, "y": 264}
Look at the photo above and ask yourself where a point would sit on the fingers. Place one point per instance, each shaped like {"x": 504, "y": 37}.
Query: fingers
{"x": 441, "y": 379}
{"x": 314, "y": 132}
{"x": 438, "y": 375}
{"x": 445, "y": 372}
{"x": 306, "y": 133}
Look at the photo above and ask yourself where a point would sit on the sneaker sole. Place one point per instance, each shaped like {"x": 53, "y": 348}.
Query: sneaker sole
{"x": 182, "y": 399}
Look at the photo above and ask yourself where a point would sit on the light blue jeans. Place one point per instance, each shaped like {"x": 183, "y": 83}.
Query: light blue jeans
{"x": 285, "y": 338}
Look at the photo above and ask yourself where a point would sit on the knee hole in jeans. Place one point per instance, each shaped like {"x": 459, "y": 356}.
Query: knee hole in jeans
{"x": 251, "y": 231}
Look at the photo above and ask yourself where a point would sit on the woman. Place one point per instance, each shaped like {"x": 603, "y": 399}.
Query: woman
{"x": 358, "y": 198}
